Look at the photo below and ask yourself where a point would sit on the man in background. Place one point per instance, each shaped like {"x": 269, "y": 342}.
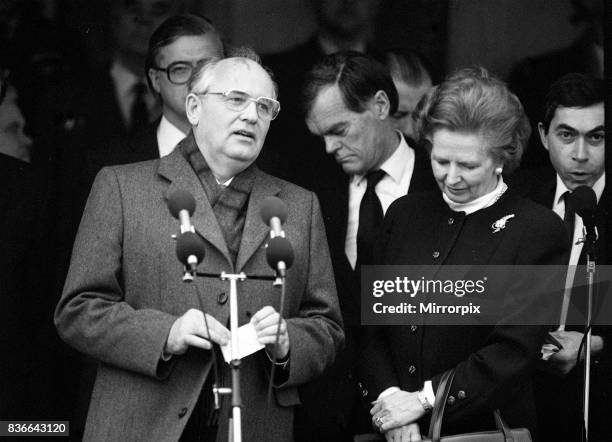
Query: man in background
{"x": 350, "y": 99}
{"x": 573, "y": 132}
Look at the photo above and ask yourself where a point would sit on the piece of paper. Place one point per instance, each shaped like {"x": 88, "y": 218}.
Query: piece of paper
{"x": 247, "y": 343}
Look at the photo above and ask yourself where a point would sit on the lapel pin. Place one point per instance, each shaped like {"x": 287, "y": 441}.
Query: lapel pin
{"x": 500, "y": 224}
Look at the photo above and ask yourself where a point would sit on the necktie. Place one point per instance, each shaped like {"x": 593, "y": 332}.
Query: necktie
{"x": 139, "y": 114}
{"x": 370, "y": 219}
{"x": 569, "y": 216}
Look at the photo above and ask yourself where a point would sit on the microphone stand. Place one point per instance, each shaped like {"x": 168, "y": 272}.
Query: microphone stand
{"x": 589, "y": 242}
{"x": 235, "y": 422}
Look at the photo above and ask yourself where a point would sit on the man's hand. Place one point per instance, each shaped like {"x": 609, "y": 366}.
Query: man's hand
{"x": 396, "y": 410}
{"x": 265, "y": 322}
{"x": 564, "y": 360}
{"x": 407, "y": 433}
{"x": 190, "y": 330}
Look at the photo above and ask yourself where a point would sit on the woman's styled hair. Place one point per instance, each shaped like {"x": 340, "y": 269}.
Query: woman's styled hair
{"x": 474, "y": 101}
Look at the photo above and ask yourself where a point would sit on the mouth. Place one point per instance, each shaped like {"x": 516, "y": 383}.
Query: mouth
{"x": 454, "y": 190}
{"x": 245, "y": 133}
{"x": 579, "y": 174}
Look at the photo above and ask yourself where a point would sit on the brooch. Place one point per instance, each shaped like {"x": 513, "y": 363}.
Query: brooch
{"x": 501, "y": 223}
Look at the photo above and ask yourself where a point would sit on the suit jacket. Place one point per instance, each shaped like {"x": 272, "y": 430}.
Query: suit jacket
{"x": 334, "y": 198}
{"x": 344, "y": 415}
{"x": 559, "y": 398}
{"x": 124, "y": 292}
{"x": 492, "y": 363}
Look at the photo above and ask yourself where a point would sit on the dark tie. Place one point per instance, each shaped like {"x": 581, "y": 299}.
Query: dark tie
{"x": 370, "y": 219}
{"x": 569, "y": 216}
{"x": 139, "y": 114}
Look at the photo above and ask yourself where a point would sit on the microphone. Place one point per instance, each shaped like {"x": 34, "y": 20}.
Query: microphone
{"x": 182, "y": 205}
{"x": 274, "y": 213}
{"x": 279, "y": 255}
{"x": 584, "y": 202}
{"x": 190, "y": 250}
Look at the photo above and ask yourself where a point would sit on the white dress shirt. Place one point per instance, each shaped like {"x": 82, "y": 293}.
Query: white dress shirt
{"x": 168, "y": 136}
{"x": 398, "y": 167}
{"x": 559, "y": 209}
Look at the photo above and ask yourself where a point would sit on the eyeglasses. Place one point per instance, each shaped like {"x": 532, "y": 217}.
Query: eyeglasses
{"x": 178, "y": 72}
{"x": 267, "y": 108}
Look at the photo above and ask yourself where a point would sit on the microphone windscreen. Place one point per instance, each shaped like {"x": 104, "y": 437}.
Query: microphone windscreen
{"x": 279, "y": 249}
{"x": 181, "y": 200}
{"x": 273, "y": 207}
{"x": 188, "y": 244}
{"x": 584, "y": 201}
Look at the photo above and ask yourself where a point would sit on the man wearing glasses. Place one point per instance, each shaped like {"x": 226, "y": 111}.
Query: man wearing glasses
{"x": 175, "y": 47}
{"x": 125, "y": 305}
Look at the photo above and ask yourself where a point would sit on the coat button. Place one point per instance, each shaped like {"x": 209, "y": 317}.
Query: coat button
{"x": 451, "y": 221}
{"x": 461, "y": 394}
{"x": 222, "y": 298}
{"x": 436, "y": 254}
{"x": 450, "y": 400}
{"x": 182, "y": 412}
{"x": 412, "y": 369}
{"x": 413, "y": 329}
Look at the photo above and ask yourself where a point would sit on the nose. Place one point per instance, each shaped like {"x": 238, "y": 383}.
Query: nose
{"x": 249, "y": 113}
{"x": 580, "y": 150}
{"x": 330, "y": 145}
{"x": 452, "y": 175}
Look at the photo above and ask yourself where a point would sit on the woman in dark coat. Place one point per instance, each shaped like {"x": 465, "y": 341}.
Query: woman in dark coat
{"x": 476, "y": 130}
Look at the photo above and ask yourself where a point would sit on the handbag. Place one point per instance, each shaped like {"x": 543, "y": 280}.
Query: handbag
{"x": 502, "y": 434}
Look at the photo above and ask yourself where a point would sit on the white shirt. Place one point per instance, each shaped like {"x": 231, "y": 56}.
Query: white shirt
{"x": 124, "y": 81}
{"x": 398, "y": 167}
{"x": 559, "y": 209}
{"x": 168, "y": 136}
{"x": 482, "y": 202}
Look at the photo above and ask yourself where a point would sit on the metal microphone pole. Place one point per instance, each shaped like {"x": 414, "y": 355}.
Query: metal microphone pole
{"x": 235, "y": 430}
{"x": 589, "y": 242}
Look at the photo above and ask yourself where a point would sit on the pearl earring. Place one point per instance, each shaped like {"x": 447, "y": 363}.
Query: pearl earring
{"x": 498, "y": 170}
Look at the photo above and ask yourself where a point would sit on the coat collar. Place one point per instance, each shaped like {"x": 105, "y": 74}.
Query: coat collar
{"x": 177, "y": 170}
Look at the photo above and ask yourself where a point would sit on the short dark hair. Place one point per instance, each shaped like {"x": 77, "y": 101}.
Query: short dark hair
{"x": 358, "y": 77}
{"x": 173, "y": 28}
{"x": 572, "y": 90}
{"x": 474, "y": 101}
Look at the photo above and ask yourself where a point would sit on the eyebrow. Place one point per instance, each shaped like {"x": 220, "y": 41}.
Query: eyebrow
{"x": 573, "y": 129}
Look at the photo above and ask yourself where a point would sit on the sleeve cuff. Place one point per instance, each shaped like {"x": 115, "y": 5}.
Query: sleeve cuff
{"x": 429, "y": 393}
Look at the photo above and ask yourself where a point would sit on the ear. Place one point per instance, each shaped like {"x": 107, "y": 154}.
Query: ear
{"x": 193, "y": 107}
{"x": 154, "y": 77}
{"x": 381, "y": 105}
{"x": 543, "y": 138}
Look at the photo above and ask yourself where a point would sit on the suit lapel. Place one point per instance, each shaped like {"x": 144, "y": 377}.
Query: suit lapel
{"x": 176, "y": 169}
{"x": 255, "y": 230}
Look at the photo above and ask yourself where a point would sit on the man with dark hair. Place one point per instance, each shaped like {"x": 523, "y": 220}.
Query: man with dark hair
{"x": 125, "y": 304}
{"x": 572, "y": 131}
{"x": 350, "y": 99}
{"x": 341, "y": 25}
{"x": 175, "y": 47}
{"x": 412, "y": 76}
